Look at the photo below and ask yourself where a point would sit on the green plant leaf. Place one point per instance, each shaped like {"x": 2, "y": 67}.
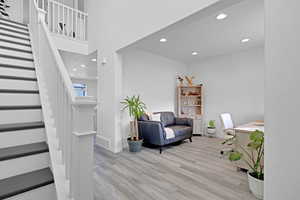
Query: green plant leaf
{"x": 235, "y": 156}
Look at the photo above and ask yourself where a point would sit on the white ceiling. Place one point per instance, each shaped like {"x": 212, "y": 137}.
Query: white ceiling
{"x": 208, "y": 36}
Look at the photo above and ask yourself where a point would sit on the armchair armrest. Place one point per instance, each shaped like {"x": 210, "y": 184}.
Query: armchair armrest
{"x": 184, "y": 121}
{"x": 152, "y": 132}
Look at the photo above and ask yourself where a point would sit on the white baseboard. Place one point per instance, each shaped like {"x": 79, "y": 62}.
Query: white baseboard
{"x": 103, "y": 142}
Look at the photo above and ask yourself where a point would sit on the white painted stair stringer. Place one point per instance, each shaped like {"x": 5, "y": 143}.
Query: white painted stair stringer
{"x": 57, "y": 166}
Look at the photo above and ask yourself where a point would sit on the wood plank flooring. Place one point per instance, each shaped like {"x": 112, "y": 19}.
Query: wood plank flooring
{"x": 189, "y": 171}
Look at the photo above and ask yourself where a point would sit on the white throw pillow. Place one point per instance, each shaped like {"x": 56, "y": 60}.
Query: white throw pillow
{"x": 156, "y": 117}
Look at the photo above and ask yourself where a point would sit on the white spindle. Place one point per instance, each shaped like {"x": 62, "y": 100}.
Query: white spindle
{"x": 76, "y": 25}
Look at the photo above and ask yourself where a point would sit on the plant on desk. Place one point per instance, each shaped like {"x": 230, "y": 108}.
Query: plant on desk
{"x": 253, "y": 157}
{"x": 136, "y": 109}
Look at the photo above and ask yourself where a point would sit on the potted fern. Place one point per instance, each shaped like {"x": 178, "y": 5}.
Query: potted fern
{"x": 211, "y": 128}
{"x": 252, "y": 155}
{"x": 136, "y": 109}
{"x": 3, "y": 7}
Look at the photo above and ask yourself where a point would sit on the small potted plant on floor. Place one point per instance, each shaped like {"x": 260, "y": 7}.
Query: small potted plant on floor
{"x": 252, "y": 155}
{"x": 211, "y": 128}
{"x": 136, "y": 109}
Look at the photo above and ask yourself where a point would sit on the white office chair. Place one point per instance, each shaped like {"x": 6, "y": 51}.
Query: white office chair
{"x": 228, "y": 128}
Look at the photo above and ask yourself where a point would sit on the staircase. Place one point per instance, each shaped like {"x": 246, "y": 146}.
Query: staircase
{"x": 24, "y": 153}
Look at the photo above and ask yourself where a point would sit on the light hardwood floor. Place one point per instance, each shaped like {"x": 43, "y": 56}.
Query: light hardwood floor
{"x": 190, "y": 171}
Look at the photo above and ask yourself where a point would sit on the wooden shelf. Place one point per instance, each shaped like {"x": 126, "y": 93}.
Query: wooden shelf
{"x": 196, "y": 86}
{"x": 190, "y": 95}
{"x": 189, "y": 104}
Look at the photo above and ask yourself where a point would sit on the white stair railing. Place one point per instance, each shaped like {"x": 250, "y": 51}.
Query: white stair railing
{"x": 68, "y": 120}
{"x": 64, "y": 20}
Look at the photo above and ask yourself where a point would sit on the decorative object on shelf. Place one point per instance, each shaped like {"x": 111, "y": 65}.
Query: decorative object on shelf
{"x": 3, "y": 7}
{"x": 189, "y": 80}
{"x": 211, "y": 128}
{"x": 190, "y": 105}
{"x": 136, "y": 109}
{"x": 253, "y": 157}
{"x": 180, "y": 79}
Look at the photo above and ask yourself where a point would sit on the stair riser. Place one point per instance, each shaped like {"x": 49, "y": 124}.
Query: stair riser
{"x": 44, "y": 193}
{"x": 13, "y": 24}
{"x": 15, "y": 53}
{"x": 23, "y": 165}
{"x": 11, "y": 32}
{"x": 14, "y": 39}
{"x": 7, "y": 44}
{"x": 17, "y": 72}
{"x": 18, "y": 84}
{"x": 22, "y": 137}
{"x": 16, "y": 62}
{"x": 20, "y": 116}
{"x": 4, "y": 26}
{"x": 19, "y": 99}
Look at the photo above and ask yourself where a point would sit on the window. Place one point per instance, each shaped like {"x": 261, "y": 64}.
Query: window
{"x": 80, "y": 89}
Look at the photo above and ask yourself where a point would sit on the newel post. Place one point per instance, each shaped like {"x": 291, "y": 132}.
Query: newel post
{"x": 82, "y": 151}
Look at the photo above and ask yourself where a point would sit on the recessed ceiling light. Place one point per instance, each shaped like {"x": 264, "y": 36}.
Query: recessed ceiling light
{"x": 94, "y": 59}
{"x": 194, "y": 53}
{"x": 163, "y": 40}
{"x": 245, "y": 40}
{"x": 83, "y": 66}
{"x": 74, "y": 69}
{"x": 221, "y": 16}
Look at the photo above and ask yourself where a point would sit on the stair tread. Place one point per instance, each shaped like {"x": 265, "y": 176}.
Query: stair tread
{"x": 22, "y": 107}
{"x": 25, "y": 182}
{"x": 19, "y": 91}
{"x": 15, "y": 49}
{"x": 16, "y": 57}
{"x": 17, "y": 26}
{"x": 17, "y": 67}
{"x": 23, "y": 150}
{"x": 6, "y": 27}
{"x": 18, "y": 78}
{"x": 14, "y": 22}
{"x": 15, "y": 42}
{"x": 21, "y": 126}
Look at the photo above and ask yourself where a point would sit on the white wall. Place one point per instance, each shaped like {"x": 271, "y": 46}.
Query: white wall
{"x": 232, "y": 83}
{"x": 114, "y": 24}
{"x": 153, "y": 78}
{"x": 282, "y": 101}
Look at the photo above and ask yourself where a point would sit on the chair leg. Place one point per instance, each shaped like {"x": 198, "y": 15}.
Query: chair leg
{"x": 191, "y": 140}
{"x": 160, "y": 150}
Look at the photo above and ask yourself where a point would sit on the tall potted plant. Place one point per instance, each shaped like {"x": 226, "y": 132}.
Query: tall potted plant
{"x": 3, "y": 7}
{"x": 252, "y": 155}
{"x": 136, "y": 109}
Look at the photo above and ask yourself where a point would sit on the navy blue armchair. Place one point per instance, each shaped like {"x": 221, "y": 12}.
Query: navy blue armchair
{"x": 153, "y": 132}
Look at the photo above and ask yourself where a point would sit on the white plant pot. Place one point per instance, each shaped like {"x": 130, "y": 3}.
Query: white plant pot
{"x": 256, "y": 187}
{"x": 211, "y": 131}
